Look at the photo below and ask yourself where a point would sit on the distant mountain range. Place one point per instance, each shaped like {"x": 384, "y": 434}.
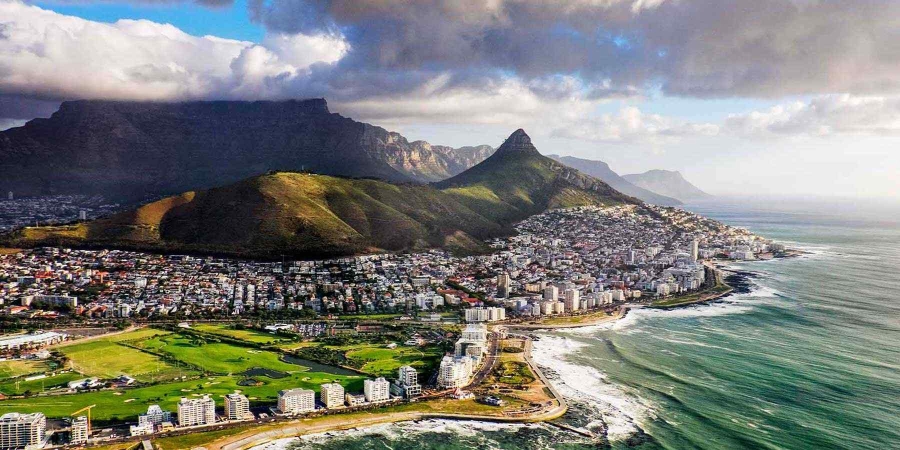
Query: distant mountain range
{"x": 601, "y": 170}
{"x": 669, "y": 183}
{"x": 134, "y": 150}
{"x": 306, "y": 215}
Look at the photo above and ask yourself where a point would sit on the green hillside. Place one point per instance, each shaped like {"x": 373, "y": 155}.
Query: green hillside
{"x": 306, "y": 215}
{"x": 517, "y": 182}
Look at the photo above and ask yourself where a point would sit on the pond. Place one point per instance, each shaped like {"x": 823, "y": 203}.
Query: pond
{"x": 318, "y": 367}
{"x": 263, "y": 372}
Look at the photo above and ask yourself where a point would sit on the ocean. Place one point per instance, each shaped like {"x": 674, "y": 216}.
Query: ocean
{"x": 809, "y": 358}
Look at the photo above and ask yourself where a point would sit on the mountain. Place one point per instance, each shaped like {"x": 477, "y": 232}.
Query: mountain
{"x": 305, "y": 215}
{"x": 668, "y": 183}
{"x": 601, "y": 170}
{"x": 517, "y": 181}
{"x": 133, "y": 150}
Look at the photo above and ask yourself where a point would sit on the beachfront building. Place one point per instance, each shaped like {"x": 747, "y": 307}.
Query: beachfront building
{"x": 196, "y": 411}
{"x": 377, "y": 390}
{"x": 151, "y": 422}
{"x": 407, "y": 385}
{"x": 296, "y": 401}
{"x": 237, "y": 407}
{"x": 455, "y": 371}
{"x": 332, "y": 395}
{"x": 78, "y": 433}
{"x": 572, "y": 300}
{"x": 23, "y": 431}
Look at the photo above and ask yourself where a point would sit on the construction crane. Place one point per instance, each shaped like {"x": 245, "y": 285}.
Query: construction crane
{"x": 88, "y": 408}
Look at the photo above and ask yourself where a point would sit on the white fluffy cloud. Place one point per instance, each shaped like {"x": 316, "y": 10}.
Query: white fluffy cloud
{"x": 51, "y": 55}
{"x": 822, "y": 116}
{"x": 630, "y": 124}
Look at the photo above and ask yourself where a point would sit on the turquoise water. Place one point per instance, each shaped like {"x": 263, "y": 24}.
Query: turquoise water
{"x": 810, "y": 359}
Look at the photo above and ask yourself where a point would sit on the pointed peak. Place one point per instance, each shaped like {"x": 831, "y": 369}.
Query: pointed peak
{"x": 519, "y": 141}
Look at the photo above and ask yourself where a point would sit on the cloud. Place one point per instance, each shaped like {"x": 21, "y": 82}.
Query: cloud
{"x": 822, "y": 116}
{"x": 630, "y": 124}
{"x": 700, "y": 48}
{"x": 52, "y": 56}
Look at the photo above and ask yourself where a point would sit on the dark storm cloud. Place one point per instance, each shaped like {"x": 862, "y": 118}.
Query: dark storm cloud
{"x": 703, "y": 48}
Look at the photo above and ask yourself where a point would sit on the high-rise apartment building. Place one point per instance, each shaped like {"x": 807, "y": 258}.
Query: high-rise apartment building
{"x": 196, "y": 411}
{"x": 296, "y": 401}
{"x": 23, "y": 431}
{"x": 332, "y": 395}
{"x": 377, "y": 390}
{"x": 237, "y": 407}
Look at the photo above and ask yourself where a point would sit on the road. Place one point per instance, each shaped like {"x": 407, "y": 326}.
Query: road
{"x": 489, "y": 361}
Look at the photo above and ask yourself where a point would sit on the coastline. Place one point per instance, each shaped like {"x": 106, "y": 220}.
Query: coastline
{"x": 422, "y": 410}
{"x": 340, "y": 422}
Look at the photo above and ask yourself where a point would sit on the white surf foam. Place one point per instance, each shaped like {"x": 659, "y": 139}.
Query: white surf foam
{"x": 619, "y": 411}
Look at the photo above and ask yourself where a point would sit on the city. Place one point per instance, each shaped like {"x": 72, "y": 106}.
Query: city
{"x": 584, "y": 263}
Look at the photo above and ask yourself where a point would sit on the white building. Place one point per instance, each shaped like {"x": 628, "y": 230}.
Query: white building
{"x": 237, "y": 407}
{"x": 455, "y": 372}
{"x": 79, "y": 431}
{"x": 150, "y": 422}
{"x": 573, "y": 300}
{"x": 407, "y": 385}
{"x": 31, "y": 340}
{"x": 23, "y": 431}
{"x": 377, "y": 390}
{"x": 296, "y": 401}
{"x": 332, "y": 395}
{"x": 482, "y": 314}
{"x": 196, "y": 411}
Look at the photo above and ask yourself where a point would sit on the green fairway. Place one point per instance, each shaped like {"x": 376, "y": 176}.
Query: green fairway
{"x": 108, "y": 358}
{"x": 227, "y": 360}
{"x": 128, "y": 403}
{"x": 383, "y": 361}
{"x": 254, "y": 336}
{"x": 217, "y": 357}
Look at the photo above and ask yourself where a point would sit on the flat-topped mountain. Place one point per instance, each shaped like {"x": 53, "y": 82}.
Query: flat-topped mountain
{"x": 307, "y": 216}
{"x": 132, "y": 150}
{"x": 601, "y": 170}
{"x": 669, "y": 183}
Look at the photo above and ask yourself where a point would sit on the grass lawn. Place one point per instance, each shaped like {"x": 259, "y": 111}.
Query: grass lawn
{"x": 244, "y": 335}
{"x": 107, "y": 358}
{"x": 128, "y": 403}
{"x": 384, "y": 361}
{"x": 686, "y": 299}
{"x": 20, "y": 367}
{"x": 217, "y": 357}
{"x": 8, "y": 387}
{"x": 514, "y": 373}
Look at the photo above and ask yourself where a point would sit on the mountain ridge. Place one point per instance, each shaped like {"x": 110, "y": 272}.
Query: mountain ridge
{"x": 669, "y": 183}
{"x": 311, "y": 215}
{"x": 134, "y": 150}
{"x": 601, "y": 170}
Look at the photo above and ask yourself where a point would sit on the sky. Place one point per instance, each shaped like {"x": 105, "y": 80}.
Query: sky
{"x": 769, "y": 97}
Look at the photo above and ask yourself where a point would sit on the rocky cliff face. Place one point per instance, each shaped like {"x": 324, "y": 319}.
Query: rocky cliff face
{"x": 132, "y": 150}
